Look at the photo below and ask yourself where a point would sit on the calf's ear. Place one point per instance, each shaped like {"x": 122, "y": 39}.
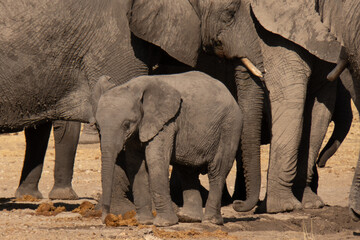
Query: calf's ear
{"x": 160, "y": 103}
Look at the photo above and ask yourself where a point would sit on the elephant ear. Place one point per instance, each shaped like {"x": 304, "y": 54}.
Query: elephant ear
{"x": 172, "y": 25}
{"x": 298, "y": 22}
{"x": 160, "y": 102}
{"x": 331, "y": 15}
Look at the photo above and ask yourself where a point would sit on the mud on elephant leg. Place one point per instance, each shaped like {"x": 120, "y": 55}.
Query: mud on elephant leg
{"x": 66, "y": 134}
{"x": 36, "y": 143}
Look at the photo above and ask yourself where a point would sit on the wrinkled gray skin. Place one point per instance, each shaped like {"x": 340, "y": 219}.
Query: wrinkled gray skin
{"x": 343, "y": 19}
{"x": 223, "y": 37}
{"x": 234, "y": 36}
{"x": 189, "y": 120}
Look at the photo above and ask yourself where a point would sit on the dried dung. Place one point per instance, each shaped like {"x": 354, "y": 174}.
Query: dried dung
{"x": 48, "y": 209}
{"x": 87, "y": 209}
{"x": 27, "y": 198}
{"x": 127, "y": 220}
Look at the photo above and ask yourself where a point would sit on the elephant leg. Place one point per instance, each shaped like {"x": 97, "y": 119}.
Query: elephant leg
{"x": 319, "y": 108}
{"x": 177, "y": 196}
{"x": 66, "y": 134}
{"x": 139, "y": 182}
{"x": 218, "y": 170}
{"x": 190, "y": 185}
{"x": 158, "y": 154}
{"x": 286, "y": 79}
{"x": 36, "y": 144}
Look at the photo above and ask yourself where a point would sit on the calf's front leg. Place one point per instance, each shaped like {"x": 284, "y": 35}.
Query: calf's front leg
{"x": 158, "y": 154}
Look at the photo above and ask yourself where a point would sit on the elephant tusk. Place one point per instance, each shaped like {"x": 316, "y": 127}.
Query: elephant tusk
{"x": 251, "y": 67}
{"x": 335, "y": 73}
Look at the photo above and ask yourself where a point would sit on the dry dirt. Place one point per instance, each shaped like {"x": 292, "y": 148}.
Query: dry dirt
{"x": 21, "y": 220}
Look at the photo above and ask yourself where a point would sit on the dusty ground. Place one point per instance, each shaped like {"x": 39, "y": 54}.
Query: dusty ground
{"x": 18, "y": 220}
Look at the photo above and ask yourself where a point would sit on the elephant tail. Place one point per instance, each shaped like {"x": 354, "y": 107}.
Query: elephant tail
{"x": 342, "y": 118}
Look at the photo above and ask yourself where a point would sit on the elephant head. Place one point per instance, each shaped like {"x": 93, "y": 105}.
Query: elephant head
{"x": 142, "y": 108}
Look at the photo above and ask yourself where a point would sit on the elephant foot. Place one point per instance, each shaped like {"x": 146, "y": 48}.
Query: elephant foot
{"x": 22, "y": 191}
{"x": 165, "y": 220}
{"x": 190, "y": 215}
{"x": 355, "y": 215}
{"x": 213, "y": 218}
{"x": 65, "y": 193}
{"x": 277, "y": 200}
{"x": 311, "y": 199}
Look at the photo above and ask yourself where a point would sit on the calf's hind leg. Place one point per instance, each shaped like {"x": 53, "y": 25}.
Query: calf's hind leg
{"x": 219, "y": 168}
{"x": 190, "y": 185}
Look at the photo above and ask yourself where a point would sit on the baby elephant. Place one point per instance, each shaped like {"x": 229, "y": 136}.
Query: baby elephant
{"x": 189, "y": 120}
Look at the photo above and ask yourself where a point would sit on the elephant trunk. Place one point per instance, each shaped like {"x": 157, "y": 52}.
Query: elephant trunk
{"x": 342, "y": 118}
{"x": 108, "y": 158}
{"x": 251, "y": 96}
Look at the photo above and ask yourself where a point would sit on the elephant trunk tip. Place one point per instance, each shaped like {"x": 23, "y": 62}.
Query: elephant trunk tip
{"x": 245, "y": 206}
{"x": 321, "y": 163}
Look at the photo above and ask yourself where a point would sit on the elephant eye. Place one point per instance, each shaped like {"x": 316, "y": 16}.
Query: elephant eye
{"x": 228, "y": 16}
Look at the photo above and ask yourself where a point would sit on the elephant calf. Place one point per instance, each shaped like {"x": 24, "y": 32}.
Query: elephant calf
{"x": 189, "y": 120}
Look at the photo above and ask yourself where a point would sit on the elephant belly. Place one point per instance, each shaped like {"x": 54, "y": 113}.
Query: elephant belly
{"x": 196, "y": 152}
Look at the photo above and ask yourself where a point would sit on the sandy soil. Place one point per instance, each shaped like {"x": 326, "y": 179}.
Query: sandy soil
{"x": 18, "y": 220}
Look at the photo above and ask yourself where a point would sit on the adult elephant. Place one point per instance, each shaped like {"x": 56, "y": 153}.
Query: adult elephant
{"x": 88, "y": 56}
{"x": 291, "y": 48}
{"x": 343, "y": 18}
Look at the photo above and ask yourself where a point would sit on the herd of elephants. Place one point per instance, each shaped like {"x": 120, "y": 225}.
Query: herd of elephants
{"x": 192, "y": 83}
